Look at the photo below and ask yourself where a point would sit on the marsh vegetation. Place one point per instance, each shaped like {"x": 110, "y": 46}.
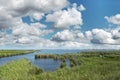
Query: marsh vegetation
{"x": 92, "y": 65}
{"x": 7, "y": 53}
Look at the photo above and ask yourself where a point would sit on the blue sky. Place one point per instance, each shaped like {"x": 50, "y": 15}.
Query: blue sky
{"x": 82, "y": 24}
{"x": 96, "y": 10}
{"x": 93, "y": 17}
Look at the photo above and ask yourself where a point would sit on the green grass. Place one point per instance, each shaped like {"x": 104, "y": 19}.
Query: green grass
{"x": 84, "y": 66}
{"x": 19, "y": 70}
{"x": 88, "y": 66}
{"x": 7, "y": 53}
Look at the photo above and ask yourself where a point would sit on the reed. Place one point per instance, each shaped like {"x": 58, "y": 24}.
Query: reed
{"x": 95, "y": 65}
{"x": 7, "y": 53}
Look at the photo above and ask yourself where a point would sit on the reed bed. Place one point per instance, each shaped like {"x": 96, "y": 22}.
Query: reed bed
{"x": 84, "y": 66}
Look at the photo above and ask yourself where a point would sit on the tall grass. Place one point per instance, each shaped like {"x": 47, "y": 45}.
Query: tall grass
{"x": 19, "y": 70}
{"x": 91, "y": 68}
{"x": 84, "y": 66}
{"x": 6, "y": 53}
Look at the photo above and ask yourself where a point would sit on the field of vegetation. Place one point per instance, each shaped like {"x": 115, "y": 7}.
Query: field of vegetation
{"x": 7, "y": 53}
{"x": 19, "y": 70}
{"x": 94, "y": 65}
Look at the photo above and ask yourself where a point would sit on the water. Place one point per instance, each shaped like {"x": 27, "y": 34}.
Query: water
{"x": 45, "y": 64}
{"x": 59, "y": 51}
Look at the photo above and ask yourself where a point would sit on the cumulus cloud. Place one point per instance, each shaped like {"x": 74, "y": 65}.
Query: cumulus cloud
{"x": 36, "y": 16}
{"x": 13, "y": 10}
{"x": 69, "y": 35}
{"x": 111, "y": 36}
{"x": 33, "y": 33}
{"x": 7, "y": 39}
{"x": 81, "y": 8}
{"x": 29, "y": 34}
{"x": 6, "y": 20}
{"x": 116, "y": 33}
{"x": 22, "y": 33}
{"x": 24, "y": 40}
{"x": 63, "y": 19}
{"x": 65, "y": 35}
{"x": 113, "y": 19}
{"x": 88, "y": 35}
{"x": 66, "y": 17}
{"x": 101, "y": 36}
{"x": 22, "y": 7}
{"x": 33, "y": 29}
{"x": 74, "y": 44}
{"x": 38, "y": 25}
{"x": 105, "y": 36}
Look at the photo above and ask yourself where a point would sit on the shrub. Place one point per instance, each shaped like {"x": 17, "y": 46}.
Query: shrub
{"x": 63, "y": 64}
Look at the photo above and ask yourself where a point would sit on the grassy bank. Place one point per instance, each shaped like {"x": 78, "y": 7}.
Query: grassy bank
{"x": 7, "y": 53}
{"x": 19, "y": 70}
{"x": 90, "y": 69}
{"x": 83, "y": 66}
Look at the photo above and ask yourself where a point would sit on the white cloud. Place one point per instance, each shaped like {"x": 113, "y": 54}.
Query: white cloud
{"x": 22, "y": 7}
{"x": 33, "y": 33}
{"x": 102, "y": 37}
{"x": 24, "y": 34}
{"x": 14, "y": 10}
{"x": 70, "y": 35}
{"x": 88, "y": 35}
{"x": 25, "y": 40}
{"x": 114, "y": 19}
{"x": 36, "y": 42}
{"x": 46, "y": 43}
{"x": 72, "y": 44}
{"x": 29, "y": 34}
{"x": 65, "y": 35}
{"x": 7, "y": 39}
{"x": 38, "y": 25}
{"x": 37, "y": 16}
{"x": 81, "y": 8}
{"x": 78, "y": 34}
{"x": 5, "y": 19}
{"x": 29, "y": 30}
{"x": 63, "y": 19}
{"x": 116, "y": 33}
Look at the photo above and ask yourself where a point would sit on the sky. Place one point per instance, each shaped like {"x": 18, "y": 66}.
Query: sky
{"x": 59, "y": 24}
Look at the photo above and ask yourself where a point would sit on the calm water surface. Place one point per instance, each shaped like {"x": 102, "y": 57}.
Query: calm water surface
{"x": 46, "y": 64}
